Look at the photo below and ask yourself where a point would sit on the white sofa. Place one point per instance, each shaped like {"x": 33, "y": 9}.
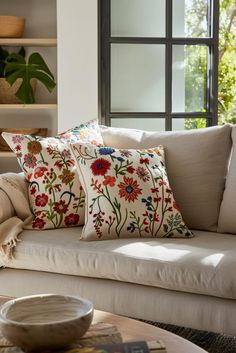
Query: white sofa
{"x": 187, "y": 282}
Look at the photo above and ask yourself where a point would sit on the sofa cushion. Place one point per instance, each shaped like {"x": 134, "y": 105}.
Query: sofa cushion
{"x": 227, "y": 216}
{"x": 196, "y": 162}
{"x": 127, "y": 193}
{"x": 204, "y": 264}
{"x": 55, "y": 193}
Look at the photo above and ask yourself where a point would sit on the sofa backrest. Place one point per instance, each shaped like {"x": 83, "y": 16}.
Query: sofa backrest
{"x": 227, "y": 216}
{"x": 196, "y": 162}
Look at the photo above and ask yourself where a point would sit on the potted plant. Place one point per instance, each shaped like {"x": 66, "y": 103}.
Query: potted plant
{"x": 17, "y": 76}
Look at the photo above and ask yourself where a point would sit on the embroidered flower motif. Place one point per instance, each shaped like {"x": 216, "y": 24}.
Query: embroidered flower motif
{"x": 109, "y": 180}
{"x": 18, "y": 148}
{"x": 30, "y": 160}
{"x": 17, "y": 139}
{"x": 100, "y": 166}
{"x": 34, "y": 147}
{"x": 130, "y": 169}
{"x": 41, "y": 200}
{"x": 39, "y": 172}
{"x": 38, "y": 223}
{"x": 72, "y": 219}
{"x": 60, "y": 207}
{"x": 143, "y": 174}
{"x": 125, "y": 153}
{"x": 66, "y": 153}
{"x": 144, "y": 161}
{"x": 33, "y": 190}
{"x": 106, "y": 151}
{"x": 129, "y": 189}
{"x": 67, "y": 176}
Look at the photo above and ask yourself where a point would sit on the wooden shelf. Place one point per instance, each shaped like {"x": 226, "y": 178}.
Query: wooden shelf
{"x": 29, "y": 42}
{"x": 7, "y": 154}
{"x": 28, "y": 106}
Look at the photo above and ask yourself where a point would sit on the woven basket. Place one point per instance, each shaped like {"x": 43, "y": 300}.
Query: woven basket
{"x": 11, "y": 26}
{"x": 7, "y": 92}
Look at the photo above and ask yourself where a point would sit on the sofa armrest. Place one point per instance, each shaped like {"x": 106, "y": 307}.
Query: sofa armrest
{"x": 6, "y": 208}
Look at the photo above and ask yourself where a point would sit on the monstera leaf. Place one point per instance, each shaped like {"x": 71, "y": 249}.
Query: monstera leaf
{"x": 4, "y": 54}
{"x": 36, "y": 68}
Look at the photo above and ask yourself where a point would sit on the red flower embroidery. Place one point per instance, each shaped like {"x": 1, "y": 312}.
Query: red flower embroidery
{"x": 72, "y": 219}
{"x": 100, "y": 166}
{"x": 30, "y": 160}
{"x": 144, "y": 161}
{"x": 169, "y": 191}
{"x": 39, "y": 171}
{"x": 38, "y": 223}
{"x": 33, "y": 190}
{"x": 41, "y": 200}
{"x": 154, "y": 190}
{"x": 167, "y": 200}
{"x": 60, "y": 207}
{"x": 143, "y": 174}
{"x": 129, "y": 189}
{"x": 130, "y": 169}
{"x": 109, "y": 180}
{"x": 18, "y": 148}
{"x": 162, "y": 182}
{"x": 176, "y": 206}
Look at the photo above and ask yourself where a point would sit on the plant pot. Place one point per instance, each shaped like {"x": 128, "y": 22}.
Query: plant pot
{"x": 11, "y": 26}
{"x": 7, "y": 92}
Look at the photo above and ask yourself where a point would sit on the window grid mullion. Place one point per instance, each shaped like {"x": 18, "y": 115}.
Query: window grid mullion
{"x": 169, "y": 41}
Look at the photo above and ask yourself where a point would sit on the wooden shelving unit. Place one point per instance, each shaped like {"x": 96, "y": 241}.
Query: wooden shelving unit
{"x": 40, "y": 35}
{"x": 28, "y": 106}
{"x": 30, "y": 42}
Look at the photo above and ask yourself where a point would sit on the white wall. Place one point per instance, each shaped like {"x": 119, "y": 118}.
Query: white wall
{"x": 77, "y": 62}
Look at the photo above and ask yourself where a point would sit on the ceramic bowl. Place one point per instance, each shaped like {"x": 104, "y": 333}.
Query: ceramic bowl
{"x": 45, "y": 321}
{"x": 11, "y": 26}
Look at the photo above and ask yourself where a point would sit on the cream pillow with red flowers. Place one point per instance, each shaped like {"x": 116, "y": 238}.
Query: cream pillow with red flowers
{"x": 55, "y": 193}
{"x": 127, "y": 194}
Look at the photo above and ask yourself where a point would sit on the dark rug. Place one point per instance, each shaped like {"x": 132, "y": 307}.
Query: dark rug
{"x": 210, "y": 341}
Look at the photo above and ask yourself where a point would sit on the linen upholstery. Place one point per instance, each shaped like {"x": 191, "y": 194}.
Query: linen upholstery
{"x": 227, "y": 217}
{"x": 127, "y": 194}
{"x": 204, "y": 264}
{"x": 202, "y": 312}
{"x": 196, "y": 162}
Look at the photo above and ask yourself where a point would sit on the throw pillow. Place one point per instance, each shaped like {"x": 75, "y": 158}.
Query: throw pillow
{"x": 127, "y": 193}
{"x": 55, "y": 193}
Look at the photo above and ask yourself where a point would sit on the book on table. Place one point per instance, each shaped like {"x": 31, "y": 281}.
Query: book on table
{"x": 100, "y": 338}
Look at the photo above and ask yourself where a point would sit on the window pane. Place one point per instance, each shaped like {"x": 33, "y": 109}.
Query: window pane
{"x": 189, "y": 80}
{"x": 138, "y": 18}
{"x": 149, "y": 124}
{"x": 190, "y": 18}
{"x": 189, "y": 123}
{"x": 137, "y": 78}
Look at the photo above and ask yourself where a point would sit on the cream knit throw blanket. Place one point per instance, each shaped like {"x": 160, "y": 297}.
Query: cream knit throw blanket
{"x": 15, "y": 213}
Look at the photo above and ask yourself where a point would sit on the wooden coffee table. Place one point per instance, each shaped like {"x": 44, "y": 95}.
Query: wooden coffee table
{"x": 133, "y": 330}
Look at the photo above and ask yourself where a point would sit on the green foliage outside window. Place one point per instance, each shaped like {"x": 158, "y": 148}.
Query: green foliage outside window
{"x": 196, "y": 64}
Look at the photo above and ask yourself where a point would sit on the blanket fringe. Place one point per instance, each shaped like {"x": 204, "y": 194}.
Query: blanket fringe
{"x": 9, "y": 232}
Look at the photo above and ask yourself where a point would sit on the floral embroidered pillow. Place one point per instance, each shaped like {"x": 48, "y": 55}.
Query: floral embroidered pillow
{"x": 127, "y": 194}
{"x": 55, "y": 192}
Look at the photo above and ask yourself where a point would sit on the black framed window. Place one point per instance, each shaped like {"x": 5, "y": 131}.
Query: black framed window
{"x": 159, "y": 63}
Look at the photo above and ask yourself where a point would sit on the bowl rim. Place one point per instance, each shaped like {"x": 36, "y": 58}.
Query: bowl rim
{"x": 11, "y": 302}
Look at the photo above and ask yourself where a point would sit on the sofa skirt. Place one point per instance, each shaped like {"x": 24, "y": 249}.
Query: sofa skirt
{"x": 138, "y": 301}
